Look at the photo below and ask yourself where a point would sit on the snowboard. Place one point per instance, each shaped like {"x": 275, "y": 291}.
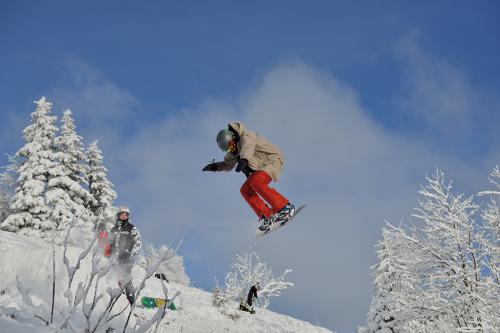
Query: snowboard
{"x": 244, "y": 307}
{"x": 154, "y": 302}
{"x": 276, "y": 225}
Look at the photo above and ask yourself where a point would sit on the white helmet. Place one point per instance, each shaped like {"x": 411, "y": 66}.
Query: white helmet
{"x": 123, "y": 209}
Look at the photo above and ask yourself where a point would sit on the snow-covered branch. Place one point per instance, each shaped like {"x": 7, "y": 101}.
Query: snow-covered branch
{"x": 38, "y": 311}
{"x": 150, "y": 270}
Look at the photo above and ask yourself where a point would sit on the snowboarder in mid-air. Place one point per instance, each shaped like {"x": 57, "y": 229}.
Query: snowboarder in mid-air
{"x": 261, "y": 162}
{"x": 125, "y": 243}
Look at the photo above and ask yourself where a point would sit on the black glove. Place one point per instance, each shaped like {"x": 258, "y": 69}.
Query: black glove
{"x": 161, "y": 276}
{"x": 242, "y": 164}
{"x": 210, "y": 167}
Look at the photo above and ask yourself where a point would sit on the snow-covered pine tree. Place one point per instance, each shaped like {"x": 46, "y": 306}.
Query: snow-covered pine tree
{"x": 100, "y": 187}
{"x": 30, "y": 209}
{"x": 74, "y": 158}
{"x": 392, "y": 285}
{"x": 66, "y": 194}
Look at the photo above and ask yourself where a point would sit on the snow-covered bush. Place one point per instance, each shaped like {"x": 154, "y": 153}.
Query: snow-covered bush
{"x": 173, "y": 269}
{"x": 248, "y": 270}
{"x": 219, "y": 297}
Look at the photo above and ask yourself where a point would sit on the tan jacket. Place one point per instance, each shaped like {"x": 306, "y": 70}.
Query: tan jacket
{"x": 260, "y": 153}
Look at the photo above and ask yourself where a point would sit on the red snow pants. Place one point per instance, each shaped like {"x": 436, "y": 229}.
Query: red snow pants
{"x": 256, "y": 188}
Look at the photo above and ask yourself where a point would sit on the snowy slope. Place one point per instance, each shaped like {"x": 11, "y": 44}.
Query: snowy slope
{"x": 32, "y": 261}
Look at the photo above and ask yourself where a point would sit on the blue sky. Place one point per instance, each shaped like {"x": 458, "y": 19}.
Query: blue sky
{"x": 379, "y": 93}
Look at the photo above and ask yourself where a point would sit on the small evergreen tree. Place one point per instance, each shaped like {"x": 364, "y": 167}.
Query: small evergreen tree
{"x": 30, "y": 209}
{"x": 391, "y": 285}
{"x": 100, "y": 187}
{"x": 4, "y": 205}
{"x": 7, "y": 184}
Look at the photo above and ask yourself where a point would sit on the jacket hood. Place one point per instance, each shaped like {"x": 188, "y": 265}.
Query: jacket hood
{"x": 239, "y": 127}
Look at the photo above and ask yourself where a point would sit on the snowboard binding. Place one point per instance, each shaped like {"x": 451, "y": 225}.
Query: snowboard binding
{"x": 281, "y": 217}
{"x": 267, "y": 222}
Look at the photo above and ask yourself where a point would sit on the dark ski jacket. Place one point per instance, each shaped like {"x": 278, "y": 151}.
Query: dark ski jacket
{"x": 125, "y": 241}
{"x": 252, "y": 293}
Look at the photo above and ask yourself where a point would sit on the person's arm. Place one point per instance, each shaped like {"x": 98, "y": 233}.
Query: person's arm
{"x": 136, "y": 237}
{"x": 227, "y": 165}
{"x": 110, "y": 248}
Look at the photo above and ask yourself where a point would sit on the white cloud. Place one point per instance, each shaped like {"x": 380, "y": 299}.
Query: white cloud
{"x": 437, "y": 91}
{"x": 100, "y": 106}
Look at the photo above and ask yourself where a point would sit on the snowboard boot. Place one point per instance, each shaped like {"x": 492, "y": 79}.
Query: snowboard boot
{"x": 285, "y": 213}
{"x": 247, "y": 308}
{"x": 266, "y": 222}
{"x": 129, "y": 291}
{"x": 131, "y": 298}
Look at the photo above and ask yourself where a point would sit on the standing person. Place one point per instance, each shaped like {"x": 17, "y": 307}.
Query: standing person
{"x": 261, "y": 162}
{"x": 252, "y": 294}
{"x": 103, "y": 239}
{"x": 125, "y": 243}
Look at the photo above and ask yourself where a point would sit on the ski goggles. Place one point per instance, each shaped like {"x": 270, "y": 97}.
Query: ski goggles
{"x": 231, "y": 146}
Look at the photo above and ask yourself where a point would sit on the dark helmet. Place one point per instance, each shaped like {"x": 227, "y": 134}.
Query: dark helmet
{"x": 223, "y": 138}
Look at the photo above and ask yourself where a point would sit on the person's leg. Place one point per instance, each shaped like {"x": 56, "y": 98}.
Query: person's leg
{"x": 259, "y": 183}
{"x": 259, "y": 207}
{"x": 130, "y": 292}
{"x": 126, "y": 281}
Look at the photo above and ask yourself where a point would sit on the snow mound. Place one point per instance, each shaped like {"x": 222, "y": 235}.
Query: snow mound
{"x": 31, "y": 262}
